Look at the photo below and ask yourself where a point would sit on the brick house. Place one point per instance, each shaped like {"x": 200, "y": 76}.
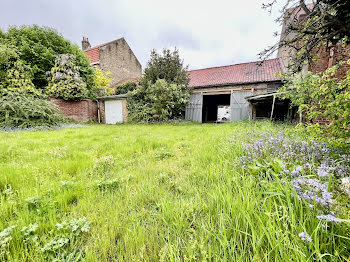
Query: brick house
{"x": 116, "y": 57}
{"x": 239, "y": 88}
{"x": 328, "y": 55}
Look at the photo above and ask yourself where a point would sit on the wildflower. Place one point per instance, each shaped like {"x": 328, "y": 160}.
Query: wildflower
{"x": 296, "y": 172}
{"x": 323, "y": 170}
{"x": 305, "y": 236}
{"x": 329, "y": 218}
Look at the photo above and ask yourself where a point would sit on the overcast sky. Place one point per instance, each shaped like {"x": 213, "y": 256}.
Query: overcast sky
{"x": 207, "y": 33}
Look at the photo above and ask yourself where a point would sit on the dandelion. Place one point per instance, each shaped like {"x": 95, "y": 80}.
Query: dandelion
{"x": 305, "y": 236}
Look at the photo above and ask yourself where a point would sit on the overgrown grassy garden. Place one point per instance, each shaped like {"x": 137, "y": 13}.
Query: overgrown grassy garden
{"x": 182, "y": 192}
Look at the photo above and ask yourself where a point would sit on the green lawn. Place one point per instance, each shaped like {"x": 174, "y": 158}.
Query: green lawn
{"x": 150, "y": 193}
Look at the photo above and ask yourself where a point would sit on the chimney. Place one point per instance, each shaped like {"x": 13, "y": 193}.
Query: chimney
{"x": 85, "y": 44}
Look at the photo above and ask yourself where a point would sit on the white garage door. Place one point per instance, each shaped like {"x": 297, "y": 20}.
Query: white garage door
{"x": 114, "y": 111}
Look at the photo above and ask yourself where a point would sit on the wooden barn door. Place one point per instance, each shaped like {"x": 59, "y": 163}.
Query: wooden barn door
{"x": 194, "y": 108}
{"x": 239, "y": 105}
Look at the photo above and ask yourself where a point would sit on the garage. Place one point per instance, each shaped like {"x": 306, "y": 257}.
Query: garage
{"x": 217, "y": 94}
{"x": 112, "y": 109}
{"x": 211, "y": 103}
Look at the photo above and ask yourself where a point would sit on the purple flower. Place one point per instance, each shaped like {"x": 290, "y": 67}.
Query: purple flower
{"x": 323, "y": 170}
{"x": 329, "y": 218}
{"x": 305, "y": 236}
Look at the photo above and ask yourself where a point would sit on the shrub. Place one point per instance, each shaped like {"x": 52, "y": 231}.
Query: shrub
{"x": 322, "y": 97}
{"x": 102, "y": 81}
{"x": 38, "y": 47}
{"x": 126, "y": 87}
{"x": 23, "y": 110}
{"x": 160, "y": 101}
{"x": 8, "y": 55}
{"x": 65, "y": 81}
{"x": 167, "y": 66}
{"x": 19, "y": 79}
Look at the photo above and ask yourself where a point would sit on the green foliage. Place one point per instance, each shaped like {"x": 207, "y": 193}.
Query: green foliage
{"x": 167, "y": 66}
{"x": 322, "y": 98}
{"x": 19, "y": 79}
{"x": 309, "y": 27}
{"x": 182, "y": 195}
{"x": 126, "y": 87}
{"x": 65, "y": 81}
{"x": 163, "y": 93}
{"x": 38, "y": 47}
{"x": 160, "y": 101}
{"x": 101, "y": 82}
{"x": 22, "y": 110}
{"x": 8, "y": 55}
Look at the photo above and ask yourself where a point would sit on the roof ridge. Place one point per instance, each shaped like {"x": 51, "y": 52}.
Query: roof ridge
{"x": 233, "y": 64}
{"x": 104, "y": 44}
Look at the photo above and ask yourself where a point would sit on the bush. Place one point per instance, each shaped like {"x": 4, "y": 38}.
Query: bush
{"x": 23, "y": 110}
{"x": 167, "y": 66}
{"x": 160, "y": 101}
{"x": 19, "y": 79}
{"x": 163, "y": 93}
{"x": 8, "y": 55}
{"x": 102, "y": 81}
{"x": 125, "y": 88}
{"x": 322, "y": 98}
{"x": 65, "y": 81}
{"x": 38, "y": 47}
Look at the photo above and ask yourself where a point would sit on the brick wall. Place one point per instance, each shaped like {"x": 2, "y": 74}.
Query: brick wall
{"x": 329, "y": 56}
{"x": 82, "y": 111}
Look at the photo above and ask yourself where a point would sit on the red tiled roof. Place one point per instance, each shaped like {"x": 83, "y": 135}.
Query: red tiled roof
{"x": 94, "y": 52}
{"x": 244, "y": 73}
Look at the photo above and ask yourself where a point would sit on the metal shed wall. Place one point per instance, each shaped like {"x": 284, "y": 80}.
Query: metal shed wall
{"x": 194, "y": 108}
{"x": 239, "y": 105}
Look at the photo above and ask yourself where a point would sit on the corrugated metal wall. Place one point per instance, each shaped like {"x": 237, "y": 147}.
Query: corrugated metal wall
{"x": 194, "y": 108}
{"x": 239, "y": 105}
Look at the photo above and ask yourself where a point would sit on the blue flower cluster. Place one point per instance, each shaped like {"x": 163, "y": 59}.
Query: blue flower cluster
{"x": 306, "y": 166}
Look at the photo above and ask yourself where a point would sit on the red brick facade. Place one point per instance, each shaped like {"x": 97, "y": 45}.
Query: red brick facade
{"x": 82, "y": 111}
{"x": 330, "y": 56}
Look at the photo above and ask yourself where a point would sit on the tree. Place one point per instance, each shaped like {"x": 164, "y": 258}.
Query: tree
{"x": 65, "y": 80}
{"x": 167, "y": 66}
{"x": 8, "y": 55}
{"x": 38, "y": 48}
{"x": 160, "y": 101}
{"x": 102, "y": 82}
{"x": 19, "y": 79}
{"x": 163, "y": 91}
{"x": 324, "y": 98}
{"x": 126, "y": 87}
{"x": 321, "y": 22}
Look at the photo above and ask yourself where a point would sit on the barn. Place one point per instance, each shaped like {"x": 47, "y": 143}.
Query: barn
{"x": 227, "y": 87}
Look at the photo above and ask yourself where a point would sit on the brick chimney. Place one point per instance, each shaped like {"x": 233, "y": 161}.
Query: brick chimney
{"x": 85, "y": 44}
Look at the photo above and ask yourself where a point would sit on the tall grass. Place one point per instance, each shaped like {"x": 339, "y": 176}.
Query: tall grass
{"x": 153, "y": 193}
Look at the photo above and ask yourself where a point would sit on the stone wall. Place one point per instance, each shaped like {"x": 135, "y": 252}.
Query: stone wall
{"x": 118, "y": 58}
{"x": 82, "y": 111}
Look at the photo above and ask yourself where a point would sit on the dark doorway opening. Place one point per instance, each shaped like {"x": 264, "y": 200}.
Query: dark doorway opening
{"x": 262, "y": 109}
{"x": 210, "y": 106}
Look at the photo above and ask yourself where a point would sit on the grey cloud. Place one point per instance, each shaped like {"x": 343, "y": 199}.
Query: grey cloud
{"x": 207, "y": 33}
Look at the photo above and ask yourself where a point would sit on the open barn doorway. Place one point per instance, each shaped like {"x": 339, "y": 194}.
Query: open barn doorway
{"x": 210, "y": 106}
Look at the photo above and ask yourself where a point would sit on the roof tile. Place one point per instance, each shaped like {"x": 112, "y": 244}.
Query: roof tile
{"x": 267, "y": 71}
